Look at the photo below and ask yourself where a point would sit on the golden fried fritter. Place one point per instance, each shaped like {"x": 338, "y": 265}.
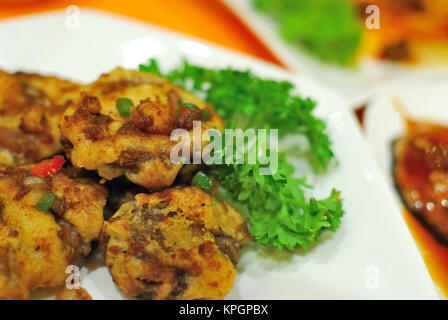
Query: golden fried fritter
{"x": 176, "y": 244}
{"x": 30, "y": 109}
{"x": 73, "y": 294}
{"x": 97, "y": 137}
{"x": 37, "y": 246}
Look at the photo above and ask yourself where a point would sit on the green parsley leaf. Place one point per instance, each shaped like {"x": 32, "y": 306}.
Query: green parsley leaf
{"x": 205, "y": 115}
{"x": 151, "y": 67}
{"x": 278, "y": 212}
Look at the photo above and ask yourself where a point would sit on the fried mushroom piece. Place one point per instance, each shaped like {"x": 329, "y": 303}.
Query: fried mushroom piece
{"x": 96, "y": 136}
{"x": 37, "y": 246}
{"x": 421, "y": 174}
{"x": 30, "y": 109}
{"x": 176, "y": 244}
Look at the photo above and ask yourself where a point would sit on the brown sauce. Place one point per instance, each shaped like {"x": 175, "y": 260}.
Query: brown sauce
{"x": 421, "y": 155}
{"x": 433, "y": 252}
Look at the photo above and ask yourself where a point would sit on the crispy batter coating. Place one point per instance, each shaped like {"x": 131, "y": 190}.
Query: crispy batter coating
{"x": 177, "y": 244}
{"x": 97, "y": 137}
{"x": 36, "y": 246}
{"x": 73, "y": 294}
{"x": 30, "y": 109}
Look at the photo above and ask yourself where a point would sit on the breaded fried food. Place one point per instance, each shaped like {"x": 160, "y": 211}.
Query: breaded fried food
{"x": 117, "y": 139}
{"x": 30, "y": 109}
{"x": 176, "y": 244}
{"x": 421, "y": 174}
{"x": 37, "y": 245}
{"x": 119, "y": 191}
{"x": 73, "y": 294}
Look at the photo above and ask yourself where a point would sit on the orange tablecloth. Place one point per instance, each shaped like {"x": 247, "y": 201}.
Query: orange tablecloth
{"x": 207, "y": 19}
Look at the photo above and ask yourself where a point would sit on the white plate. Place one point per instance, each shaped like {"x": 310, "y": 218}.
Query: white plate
{"x": 371, "y": 256}
{"x": 355, "y": 85}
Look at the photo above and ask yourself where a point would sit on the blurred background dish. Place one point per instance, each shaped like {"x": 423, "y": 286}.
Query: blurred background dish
{"x": 329, "y": 41}
{"x": 342, "y": 32}
{"x": 412, "y": 31}
{"x": 385, "y": 122}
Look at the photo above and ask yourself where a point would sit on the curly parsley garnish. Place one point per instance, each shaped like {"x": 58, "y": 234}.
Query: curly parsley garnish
{"x": 278, "y": 212}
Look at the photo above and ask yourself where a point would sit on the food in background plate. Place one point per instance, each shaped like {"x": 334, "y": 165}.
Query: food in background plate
{"x": 122, "y": 126}
{"x": 411, "y": 31}
{"x": 48, "y": 218}
{"x": 30, "y": 110}
{"x": 180, "y": 243}
{"x": 421, "y": 174}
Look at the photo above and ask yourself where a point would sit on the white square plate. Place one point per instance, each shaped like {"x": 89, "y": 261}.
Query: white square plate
{"x": 371, "y": 256}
